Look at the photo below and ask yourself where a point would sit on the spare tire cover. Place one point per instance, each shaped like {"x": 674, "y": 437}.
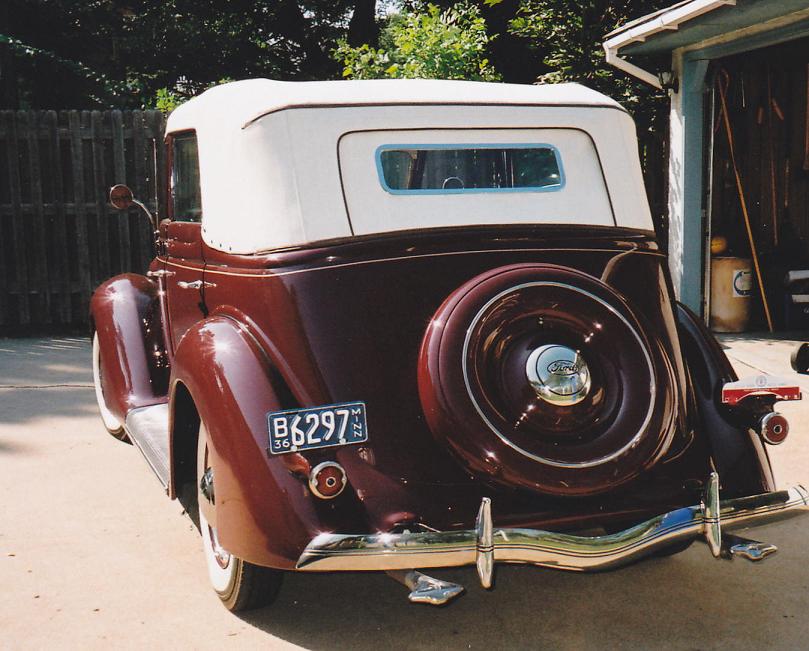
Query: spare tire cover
{"x": 541, "y": 376}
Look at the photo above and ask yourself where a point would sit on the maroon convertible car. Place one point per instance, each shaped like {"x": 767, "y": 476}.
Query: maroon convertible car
{"x": 400, "y": 325}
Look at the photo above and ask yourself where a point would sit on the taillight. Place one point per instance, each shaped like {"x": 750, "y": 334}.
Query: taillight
{"x": 773, "y": 428}
{"x": 327, "y": 480}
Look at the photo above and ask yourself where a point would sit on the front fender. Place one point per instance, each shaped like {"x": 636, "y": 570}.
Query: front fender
{"x": 125, "y": 312}
{"x": 264, "y": 512}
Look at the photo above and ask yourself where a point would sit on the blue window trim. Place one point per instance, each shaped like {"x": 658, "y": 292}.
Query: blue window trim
{"x": 456, "y": 146}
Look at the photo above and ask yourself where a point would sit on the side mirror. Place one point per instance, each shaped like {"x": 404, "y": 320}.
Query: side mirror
{"x": 121, "y": 197}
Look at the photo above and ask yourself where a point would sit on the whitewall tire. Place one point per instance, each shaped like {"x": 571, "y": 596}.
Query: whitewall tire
{"x": 111, "y": 422}
{"x": 239, "y": 584}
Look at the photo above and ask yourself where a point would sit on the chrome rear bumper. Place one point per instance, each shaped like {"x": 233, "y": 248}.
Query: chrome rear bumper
{"x": 485, "y": 545}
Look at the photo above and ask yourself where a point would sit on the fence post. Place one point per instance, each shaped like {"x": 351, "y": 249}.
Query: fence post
{"x": 17, "y": 224}
{"x": 60, "y": 280}
{"x": 119, "y": 167}
{"x": 80, "y": 216}
{"x": 100, "y": 195}
{"x": 40, "y": 235}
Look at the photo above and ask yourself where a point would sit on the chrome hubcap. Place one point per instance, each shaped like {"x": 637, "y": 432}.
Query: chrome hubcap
{"x": 558, "y": 374}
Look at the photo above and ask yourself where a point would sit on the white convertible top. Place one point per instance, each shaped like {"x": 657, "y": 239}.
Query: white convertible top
{"x": 288, "y": 163}
{"x": 241, "y": 102}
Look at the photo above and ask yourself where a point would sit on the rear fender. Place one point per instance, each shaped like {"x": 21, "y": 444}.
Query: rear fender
{"x": 264, "y": 513}
{"x": 125, "y": 312}
{"x": 738, "y": 453}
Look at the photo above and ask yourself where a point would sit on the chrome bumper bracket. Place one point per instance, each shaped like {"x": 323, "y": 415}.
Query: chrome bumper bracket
{"x": 425, "y": 589}
{"x": 752, "y": 550}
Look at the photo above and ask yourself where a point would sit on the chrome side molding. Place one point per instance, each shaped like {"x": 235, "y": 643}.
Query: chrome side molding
{"x": 484, "y": 545}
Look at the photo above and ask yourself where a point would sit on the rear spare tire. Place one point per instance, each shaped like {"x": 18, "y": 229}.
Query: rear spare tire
{"x": 541, "y": 376}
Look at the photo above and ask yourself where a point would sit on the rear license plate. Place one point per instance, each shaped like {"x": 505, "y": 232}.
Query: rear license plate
{"x": 317, "y": 427}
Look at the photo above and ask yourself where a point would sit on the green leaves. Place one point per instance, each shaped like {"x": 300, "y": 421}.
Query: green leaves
{"x": 166, "y": 100}
{"x": 433, "y": 44}
{"x": 99, "y": 53}
{"x": 569, "y": 37}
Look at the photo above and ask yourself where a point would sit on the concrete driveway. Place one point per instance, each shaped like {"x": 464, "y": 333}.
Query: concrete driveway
{"x": 92, "y": 554}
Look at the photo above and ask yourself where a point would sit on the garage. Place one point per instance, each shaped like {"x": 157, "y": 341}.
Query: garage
{"x": 737, "y": 74}
{"x": 763, "y": 93}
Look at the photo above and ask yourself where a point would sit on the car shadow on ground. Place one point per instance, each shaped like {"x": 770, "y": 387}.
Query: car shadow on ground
{"x": 35, "y": 404}
{"x": 47, "y": 377}
{"x": 45, "y": 362}
{"x": 686, "y": 601}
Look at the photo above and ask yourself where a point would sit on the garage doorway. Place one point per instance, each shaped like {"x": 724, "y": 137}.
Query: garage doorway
{"x": 765, "y": 93}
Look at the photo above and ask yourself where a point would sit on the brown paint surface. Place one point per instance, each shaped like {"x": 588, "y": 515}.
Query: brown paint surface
{"x": 344, "y": 321}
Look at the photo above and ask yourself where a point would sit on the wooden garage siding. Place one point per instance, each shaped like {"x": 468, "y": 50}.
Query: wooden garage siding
{"x": 59, "y": 238}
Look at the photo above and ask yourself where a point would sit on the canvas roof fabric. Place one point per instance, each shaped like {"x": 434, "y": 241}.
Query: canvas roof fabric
{"x": 273, "y": 155}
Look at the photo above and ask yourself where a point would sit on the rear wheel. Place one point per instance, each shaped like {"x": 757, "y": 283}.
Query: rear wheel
{"x": 239, "y": 584}
{"x": 111, "y": 422}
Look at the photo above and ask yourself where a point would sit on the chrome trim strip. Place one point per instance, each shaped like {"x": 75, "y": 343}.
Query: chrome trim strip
{"x": 271, "y": 273}
{"x": 514, "y": 446}
{"x": 404, "y": 551}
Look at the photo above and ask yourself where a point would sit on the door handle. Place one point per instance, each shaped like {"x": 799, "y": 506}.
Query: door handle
{"x": 160, "y": 273}
{"x": 194, "y": 284}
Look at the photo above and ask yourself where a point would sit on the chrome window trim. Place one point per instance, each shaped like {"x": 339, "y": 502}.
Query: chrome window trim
{"x": 460, "y": 146}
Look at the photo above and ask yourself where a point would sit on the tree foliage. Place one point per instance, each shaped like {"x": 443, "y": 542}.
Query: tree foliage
{"x": 132, "y": 53}
{"x": 431, "y": 44}
{"x": 570, "y": 38}
{"x": 92, "y": 53}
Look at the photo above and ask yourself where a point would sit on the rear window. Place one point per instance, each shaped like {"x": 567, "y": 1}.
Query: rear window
{"x": 465, "y": 177}
{"x": 458, "y": 169}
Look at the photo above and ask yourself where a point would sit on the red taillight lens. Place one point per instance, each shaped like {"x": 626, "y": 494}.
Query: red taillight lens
{"x": 773, "y": 428}
{"x": 327, "y": 480}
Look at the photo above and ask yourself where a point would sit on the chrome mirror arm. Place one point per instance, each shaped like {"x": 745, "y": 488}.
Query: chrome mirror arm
{"x": 152, "y": 220}
{"x": 121, "y": 198}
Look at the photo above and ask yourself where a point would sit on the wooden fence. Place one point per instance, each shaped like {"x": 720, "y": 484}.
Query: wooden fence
{"x": 59, "y": 238}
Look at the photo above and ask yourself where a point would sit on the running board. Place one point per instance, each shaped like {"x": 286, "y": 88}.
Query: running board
{"x": 148, "y": 428}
